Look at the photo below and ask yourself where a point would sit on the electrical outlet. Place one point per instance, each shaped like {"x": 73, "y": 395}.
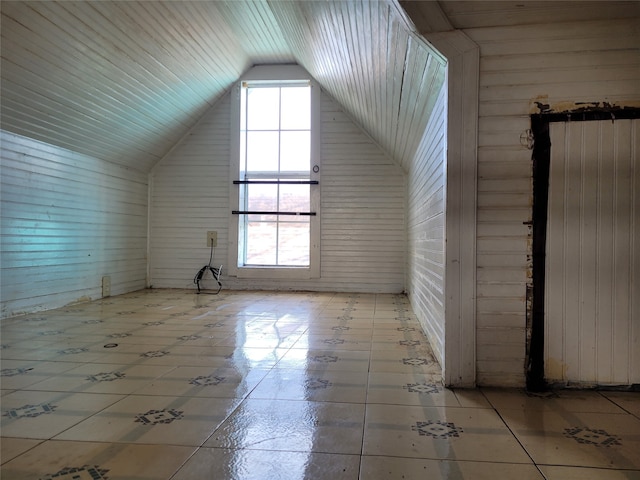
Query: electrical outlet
{"x": 212, "y": 239}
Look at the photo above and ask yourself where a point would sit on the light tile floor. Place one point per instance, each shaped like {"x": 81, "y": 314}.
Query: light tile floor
{"x": 165, "y": 384}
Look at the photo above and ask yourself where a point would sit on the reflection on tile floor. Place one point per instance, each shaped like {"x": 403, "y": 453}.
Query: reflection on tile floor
{"x": 166, "y": 384}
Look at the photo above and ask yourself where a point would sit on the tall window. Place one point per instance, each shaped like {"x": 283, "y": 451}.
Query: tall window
{"x": 276, "y": 177}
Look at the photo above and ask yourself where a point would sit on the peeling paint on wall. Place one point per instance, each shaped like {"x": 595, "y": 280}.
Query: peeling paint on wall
{"x": 541, "y": 105}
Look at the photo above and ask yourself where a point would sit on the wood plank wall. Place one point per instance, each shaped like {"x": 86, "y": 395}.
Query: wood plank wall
{"x": 425, "y": 228}
{"x": 556, "y": 64}
{"x": 363, "y": 209}
{"x": 67, "y": 221}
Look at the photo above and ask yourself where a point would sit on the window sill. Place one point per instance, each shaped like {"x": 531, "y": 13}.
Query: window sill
{"x": 276, "y": 272}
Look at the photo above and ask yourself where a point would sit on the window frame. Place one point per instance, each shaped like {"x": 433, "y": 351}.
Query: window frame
{"x": 278, "y": 75}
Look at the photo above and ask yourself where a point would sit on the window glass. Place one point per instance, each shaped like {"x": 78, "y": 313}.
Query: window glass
{"x": 275, "y": 167}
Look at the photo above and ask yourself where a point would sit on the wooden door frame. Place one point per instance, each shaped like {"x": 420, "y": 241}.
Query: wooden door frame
{"x": 541, "y": 158}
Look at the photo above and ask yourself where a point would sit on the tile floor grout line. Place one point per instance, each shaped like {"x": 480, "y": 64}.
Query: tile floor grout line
{"x": 495, "y": 409}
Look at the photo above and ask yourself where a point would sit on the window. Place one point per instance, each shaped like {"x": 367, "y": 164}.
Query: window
{"x": 275, "y": 166}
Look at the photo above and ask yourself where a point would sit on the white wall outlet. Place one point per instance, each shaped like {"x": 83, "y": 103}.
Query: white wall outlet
{"x": 212, "y": 239}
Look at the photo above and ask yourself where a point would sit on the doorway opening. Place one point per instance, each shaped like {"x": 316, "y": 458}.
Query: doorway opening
{"x": 536, "y": 371}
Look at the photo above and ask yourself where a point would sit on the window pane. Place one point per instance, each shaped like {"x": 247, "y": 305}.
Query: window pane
{"x": 275, "y": 144}
{"x": 263, "y": 109}
{"x": 243, "y": 153}
{"x": 293, "y": 248}
{"x": 294, "y": 198}
{"x": 262, "y": 151}
{"x": 295, "y": 151}
{"x": 296, "y": 108}
{"x": 261, "y": 243}
{"x": 262, "y": 198}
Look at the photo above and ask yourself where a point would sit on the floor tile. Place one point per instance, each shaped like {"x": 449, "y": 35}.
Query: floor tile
{"x": 154, "y": 420}
{"x": 61, "y": 460}
{"x": 205, "y": 382}
{"x": 317, "y": 386}
{"x": 628, "y": 401}
{"x": 285, "y": 425}
{"x": 22, "y": 373}
{"x": 12, "y": 447}
{"x": 344, "y": 360}
{"x": 409, "y": 389}
{"x": 225, "y": 464}
{"x": 34, "y": 414}
{"x": 102, "y": 378}
{"x": 440, "y": 433}
{"x": 383, "y": 468}
{"x": 562, "y": 400}
{"x": 581, "y": 439}
{"x": 335, "y": 341}
{"x": 403, "y": 362}
{"x": 554, "y": 472}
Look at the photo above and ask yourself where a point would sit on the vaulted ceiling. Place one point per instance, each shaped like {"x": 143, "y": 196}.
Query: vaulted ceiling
{"x": 123, "y": 81}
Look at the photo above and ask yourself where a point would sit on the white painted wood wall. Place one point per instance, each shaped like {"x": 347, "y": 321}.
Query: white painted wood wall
{"x": 67, "y": 221}
{"x": 552, "y": 63}
{"x": 363, "y": 209}
{"x": 592, "y": 287}
{"x": 426, "y": 192}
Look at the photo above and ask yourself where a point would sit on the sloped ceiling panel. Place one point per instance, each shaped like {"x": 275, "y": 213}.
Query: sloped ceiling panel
{"x": 364, "y": 54}
{"x": 123, "y": 81}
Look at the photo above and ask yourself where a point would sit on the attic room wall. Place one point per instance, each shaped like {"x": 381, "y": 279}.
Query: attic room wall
{"x": 67, "y": 220}
{"x": 425, "y": 228}
{"x": 555, "y": 64}
{"x": 362, "y": 222}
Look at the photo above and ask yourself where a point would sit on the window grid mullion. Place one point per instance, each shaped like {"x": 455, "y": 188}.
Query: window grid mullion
{"x": 279, "y": 170}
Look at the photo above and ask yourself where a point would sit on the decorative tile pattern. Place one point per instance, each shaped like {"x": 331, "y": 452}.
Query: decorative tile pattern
{"x": 205, "y": 381}
{"x": 119, "y": 335}
{"x": 213, "y": 325}
{"x": 589, "y": 436}
{"x": 189, "y": 337}
{"x": 423, "y": 388}
{"x": 106, "y": 376}
{"x": 409, "y": 343}
{"x": 50, "y": 333}
{"x": 437, "y": 429}
{"x": 415, "y": 361}
{"x": 334, "y": 341}
{"x": 86, "y": 472}
{"x": 30, "y": 411}
{"x": 340, "y": 328}
{"x": 154, "y": 354}
{"x": 153, "y": 324}
{"x": 317, "y": 383}
{"x": 92, "y": 322}
{"x": 325, "y": 358}
{"x": 73, "y": 351}
{"x": 406, "y": 329}
{"x": 155, "y": 417}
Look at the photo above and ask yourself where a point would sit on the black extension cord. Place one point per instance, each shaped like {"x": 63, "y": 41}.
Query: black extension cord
{"x": 216, "y": 272}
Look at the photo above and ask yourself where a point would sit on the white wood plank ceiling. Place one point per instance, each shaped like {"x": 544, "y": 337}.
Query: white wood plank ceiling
{"x": 437, "y": 16}
{"x": 124, "y": 81}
